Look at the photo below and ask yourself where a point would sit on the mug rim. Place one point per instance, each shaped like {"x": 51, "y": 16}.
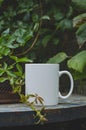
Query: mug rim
{"x": 41, "y": 64}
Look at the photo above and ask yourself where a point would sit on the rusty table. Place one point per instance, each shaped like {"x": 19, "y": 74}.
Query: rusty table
{"x": 21, "y": 115}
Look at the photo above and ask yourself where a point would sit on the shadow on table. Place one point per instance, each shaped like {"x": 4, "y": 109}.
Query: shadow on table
{"x": 79, "y": 124}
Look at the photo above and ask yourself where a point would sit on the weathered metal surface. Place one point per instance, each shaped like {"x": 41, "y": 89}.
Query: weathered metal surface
{"x": 20, "y": 115}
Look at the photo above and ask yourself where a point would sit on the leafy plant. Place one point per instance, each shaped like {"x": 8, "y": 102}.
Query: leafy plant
{"x": 41, "y": 31}
{"x": 76, "y": 62}
{"x": 17, "y": 38}
{"x": 40, "y": 116}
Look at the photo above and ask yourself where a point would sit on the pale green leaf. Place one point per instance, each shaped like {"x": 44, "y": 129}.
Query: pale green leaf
{"x": 3, "y": 79}
{"x": 78, "y": 62}
{"x": 23, "y": 59}
{"x": 45, "y": 17}
{"x": 58, "y": 58}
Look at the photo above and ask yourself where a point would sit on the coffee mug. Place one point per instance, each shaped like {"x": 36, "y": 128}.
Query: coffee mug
{"x": 43, "y": 79}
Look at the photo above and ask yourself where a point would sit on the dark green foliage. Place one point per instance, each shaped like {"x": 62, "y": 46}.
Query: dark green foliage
{"x": 37, "y": 31}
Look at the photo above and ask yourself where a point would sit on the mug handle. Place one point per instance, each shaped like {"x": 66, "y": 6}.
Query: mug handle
{"x": 71, "y": 83}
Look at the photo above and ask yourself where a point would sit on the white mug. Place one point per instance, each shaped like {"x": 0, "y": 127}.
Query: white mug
{"x": 43, "y": 79}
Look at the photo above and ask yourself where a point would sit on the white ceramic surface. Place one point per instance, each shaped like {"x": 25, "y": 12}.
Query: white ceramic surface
{"x": 43, "y": 79}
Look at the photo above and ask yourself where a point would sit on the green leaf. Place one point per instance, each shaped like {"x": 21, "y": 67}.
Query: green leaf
{"x": 35, "y": 17}
{"x": 46, "y": 17}
{"x": 65, "y": 24}
{"x": 20, "y": 39}
{"x": 58, "y": 58}
{"x": 79, "y": 4}
{"x": 19, "y": 67}
{"x": 3, "y": 79}
{"x": 6, "y": 32}
{"x": 46, "y": 40}
{"x": 79, "y": 19}
{"x": 17, "y": 89}
{"x": 10, "y": 73}
{"x": 14, "y": 58}
{"x": 5, "y": 66}
{"x": 23, "y": 59}
{"x": 77, "y": 75}
{"x": 78, "y": 62}
{"x": 28, "y": 36}
{"x": 58, "y": 15}
{"x": 4, "y": 51}
{"x": 1, "y": 71}
{"x": 55, "y": 41}
{"x": 11, "y": 80}
{"x": 70, "y": 12}
{"x": 19, "y": 32}
{"x": 81, "y": 34}
{"x": 36, "y": 27}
